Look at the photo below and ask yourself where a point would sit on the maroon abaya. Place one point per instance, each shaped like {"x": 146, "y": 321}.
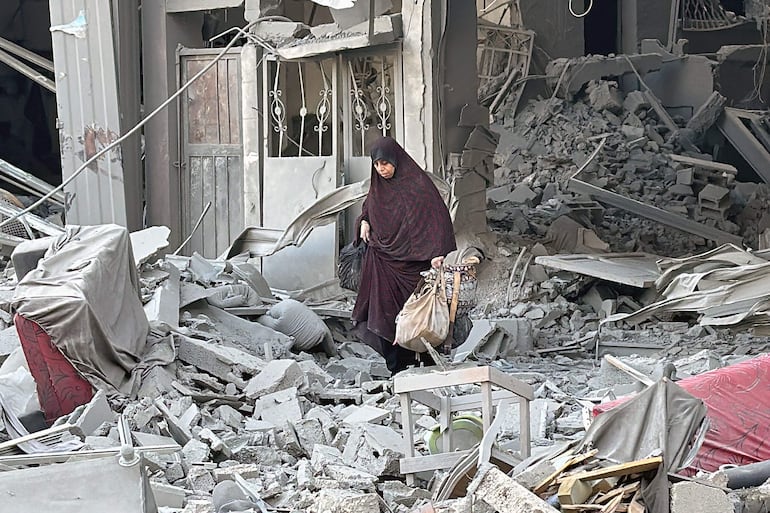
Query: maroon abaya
{"x": 410, "y": 225}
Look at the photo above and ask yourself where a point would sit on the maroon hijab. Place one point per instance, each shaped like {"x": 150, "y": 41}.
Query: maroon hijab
{"x": 408, "y": 217}
{"x": 410, "y": 225}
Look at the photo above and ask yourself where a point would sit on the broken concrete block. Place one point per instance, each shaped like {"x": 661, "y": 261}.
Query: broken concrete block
{"x": 396, "y": 492}
{"x": 163, "y": 308}
{"x": 362, "y": 414}
{"x": 276, "y": 375}
{"x": 195, "y": 451}
{"x": 217, "y": 360}
{"x": 350, "y": 477}
{"x": 535, "y": 474}
{"x": 690, "y": 496}
{"x": 604, "y": 97}
{"x": 310, "y": 432}
{"x": 279, "y": 407}
{"x": 324, "y": 455}
{"x": 374, "y": 449}
{"x": 200, "y": 480}
{"x": 245, "y": 470}
{"x": 522, "y": 195}
{"x": 92, "y": 415}
{"x": 635, "y": 101}
{"x": 504, "y": 494}
{"x": 345, "y": 501}
{"x": 216, "y": 443}
{"x": 229, "y": 416}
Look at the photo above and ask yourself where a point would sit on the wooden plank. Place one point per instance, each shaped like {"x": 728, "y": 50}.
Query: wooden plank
{"x": 612, "y": 506}
{"x": 235, "y": 193}
{"x": 209, "y": 226}
{"x": 624, "y": 469}
{"x": 545, "y": 483}
{"x": 656, "y": 214}
{"x": 223, "y": 102}
{"x": 706, "y": 164}
{"x": 635, "y": 269}
{"x": 195, "y": 102}
{"x": 635, "y": 506}
{"x": 574, "y": 491}
{"x": 221, "y": 204}
{"x": 195, "y": 201}
{"x": 234, "y": 99}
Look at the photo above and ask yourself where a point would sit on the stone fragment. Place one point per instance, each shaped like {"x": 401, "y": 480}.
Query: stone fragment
{"x": 279, "y": 407}
{"x": 535, "y": 474}
{"x": 687, "y": 497}
{"x": 635, "y": 101}
{"x": 604, "y": 97}
{"x": 504, "y": 494}
{"x": 195, "y": 451}
{"x": 363, "y": 414}
{"x": 245, "y": 470}
{"x": 200, "y": 480}
{"x": 217, "y": 360}
{"x": 345, "y": 501}
{"x": 374, "y": 449}
{"x": 396, "y": 492}
{"x": 349, "y": 477}
{"x": 324, "y": 455}
{"x": 276, "y": 375}
{"x": 229, "y": 416}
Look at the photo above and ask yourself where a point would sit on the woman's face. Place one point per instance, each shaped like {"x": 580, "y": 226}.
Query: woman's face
{"x": 385, "y": 169}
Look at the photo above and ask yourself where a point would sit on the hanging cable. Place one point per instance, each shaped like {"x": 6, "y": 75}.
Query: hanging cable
{"x": 242, "y": 31}
{"x": 588, "y": 9}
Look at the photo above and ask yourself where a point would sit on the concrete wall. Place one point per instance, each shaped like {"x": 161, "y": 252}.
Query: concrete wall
{"x": 161, "y": 34}
{"x": 458, "y": 66}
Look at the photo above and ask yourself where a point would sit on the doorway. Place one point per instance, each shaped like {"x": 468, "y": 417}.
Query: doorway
{"x": 600, "y": 26}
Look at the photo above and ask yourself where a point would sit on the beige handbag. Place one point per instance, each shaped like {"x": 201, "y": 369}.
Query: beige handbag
{"x": 425, "y": 315}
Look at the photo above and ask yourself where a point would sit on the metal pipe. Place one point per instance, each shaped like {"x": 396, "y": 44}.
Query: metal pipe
{"x": 25, "y": 54}
{"x": 32, "y": 74}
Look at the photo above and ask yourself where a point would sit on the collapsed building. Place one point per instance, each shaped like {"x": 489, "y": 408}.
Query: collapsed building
{"x": 609, "y": 160}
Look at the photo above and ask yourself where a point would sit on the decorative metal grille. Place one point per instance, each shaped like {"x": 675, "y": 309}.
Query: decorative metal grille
{"x": 371, "y": 80}
{"x": 707, "y": 15}
{"x": 293, "y": 128}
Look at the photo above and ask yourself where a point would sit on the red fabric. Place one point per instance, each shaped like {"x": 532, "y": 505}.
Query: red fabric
{"x": 410, "y": 224}
{"x": 738, "y": 401}
{"x": 60, "y": 388}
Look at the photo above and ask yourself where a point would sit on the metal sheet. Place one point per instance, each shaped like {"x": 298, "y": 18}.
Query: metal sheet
{"x": 212, "y": 152}
{"x": 87, "y": 107}
{"x": 291, "y": 185}
{"x": 635, "y": 269}
{"x": 69, "y": 488}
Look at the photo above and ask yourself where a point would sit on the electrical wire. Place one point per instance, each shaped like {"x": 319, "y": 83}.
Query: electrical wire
{"x": 135, "y": 129}
{"x": 588, "y": 9}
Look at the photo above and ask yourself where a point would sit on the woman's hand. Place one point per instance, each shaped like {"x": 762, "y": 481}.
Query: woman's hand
{"x": 437, "y": 262}
{"x": 365, "y": 230}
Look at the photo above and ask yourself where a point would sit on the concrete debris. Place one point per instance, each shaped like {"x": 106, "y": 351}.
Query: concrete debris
{"x": 613, "y": 198}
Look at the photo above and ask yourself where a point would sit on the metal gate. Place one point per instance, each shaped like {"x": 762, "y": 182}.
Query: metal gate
{"x": 211, "y": 168}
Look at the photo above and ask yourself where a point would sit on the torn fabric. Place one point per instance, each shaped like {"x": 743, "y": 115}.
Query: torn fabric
{"x": 664, "y": 419}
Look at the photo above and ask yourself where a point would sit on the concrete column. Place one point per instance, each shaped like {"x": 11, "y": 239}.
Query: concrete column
{"x": 252, "y": 135}
{"x": 419, "y": 69}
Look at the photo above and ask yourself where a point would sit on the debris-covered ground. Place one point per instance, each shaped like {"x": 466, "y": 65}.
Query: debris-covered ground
{"x": 262, "y": 401}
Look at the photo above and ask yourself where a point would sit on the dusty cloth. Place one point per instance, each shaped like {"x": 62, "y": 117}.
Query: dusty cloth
{"x": 410, "y": 225}
{"x": 296, "y": 320}
{"x": 85, "y": 294}
{"x": 664, "y": 420}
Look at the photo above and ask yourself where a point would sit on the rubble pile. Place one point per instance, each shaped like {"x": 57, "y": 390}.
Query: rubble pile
{"x": 643, "y": 159}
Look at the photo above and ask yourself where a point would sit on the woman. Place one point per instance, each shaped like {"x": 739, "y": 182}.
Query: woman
{"x": 407, "y": 227}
